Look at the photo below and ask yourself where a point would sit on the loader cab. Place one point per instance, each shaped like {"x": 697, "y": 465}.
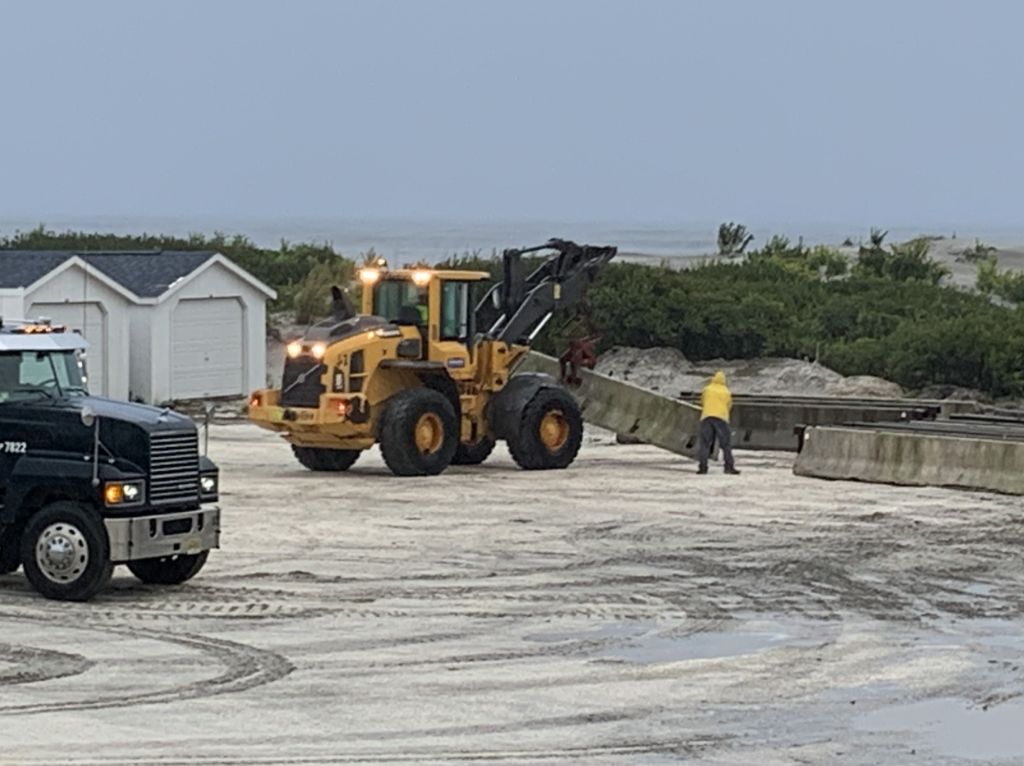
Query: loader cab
{"x": 439, "y": 302}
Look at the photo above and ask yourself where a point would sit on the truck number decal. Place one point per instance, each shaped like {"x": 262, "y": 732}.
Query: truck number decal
{"x": 16, "y": 447}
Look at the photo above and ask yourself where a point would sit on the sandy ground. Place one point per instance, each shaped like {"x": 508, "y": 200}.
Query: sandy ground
{"x": 668, "y": 372}
{"x": 622, "y": 611}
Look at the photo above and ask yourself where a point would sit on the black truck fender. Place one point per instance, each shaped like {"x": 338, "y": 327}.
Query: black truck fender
{"x": 36, "y": 481}
{"x": 504, "y": 409}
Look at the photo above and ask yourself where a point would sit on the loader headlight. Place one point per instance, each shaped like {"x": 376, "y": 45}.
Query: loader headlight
{"x": 294, "y": 349}
{"x": 319, "y": 349}
{"x": 369, "y": 276}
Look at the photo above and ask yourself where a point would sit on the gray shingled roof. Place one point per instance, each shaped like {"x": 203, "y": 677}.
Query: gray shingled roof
{"x": 148, "y": 274}
{"x": 20, "y": 268}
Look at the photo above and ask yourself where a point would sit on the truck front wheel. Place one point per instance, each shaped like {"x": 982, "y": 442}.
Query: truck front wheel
{"x": 168, "y": 570}
{"x": 65, "y": 552}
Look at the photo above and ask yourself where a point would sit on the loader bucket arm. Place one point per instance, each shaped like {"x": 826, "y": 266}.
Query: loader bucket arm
{"x": 515, "y": 309}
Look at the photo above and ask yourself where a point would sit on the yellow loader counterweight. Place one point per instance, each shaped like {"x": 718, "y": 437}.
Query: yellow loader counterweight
{"x": 425, "y": 369}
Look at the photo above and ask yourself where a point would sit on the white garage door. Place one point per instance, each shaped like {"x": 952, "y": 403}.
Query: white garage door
{"x": 206, "y": 349}
{"x": 91, "y": 320}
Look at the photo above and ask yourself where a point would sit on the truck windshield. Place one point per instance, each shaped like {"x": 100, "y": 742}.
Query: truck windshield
{"x": 34, "y": 374}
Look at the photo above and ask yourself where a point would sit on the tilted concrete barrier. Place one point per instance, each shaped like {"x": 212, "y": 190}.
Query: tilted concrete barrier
{"x": 912, "y": 459}
{"x": 627, "y": 409}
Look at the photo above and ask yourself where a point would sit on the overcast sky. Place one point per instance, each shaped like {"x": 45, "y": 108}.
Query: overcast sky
{"x": 636, "y": 110}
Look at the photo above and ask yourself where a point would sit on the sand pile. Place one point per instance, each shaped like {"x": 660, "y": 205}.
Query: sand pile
{"x": 667, "y": 371}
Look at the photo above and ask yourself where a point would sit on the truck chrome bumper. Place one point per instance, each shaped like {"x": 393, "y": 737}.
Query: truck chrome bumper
{"x": 147, "y": 537}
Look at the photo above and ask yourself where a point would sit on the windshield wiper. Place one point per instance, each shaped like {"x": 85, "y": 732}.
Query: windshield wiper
{"x": 34, "y": 390}
{"x": 56, "y": 377}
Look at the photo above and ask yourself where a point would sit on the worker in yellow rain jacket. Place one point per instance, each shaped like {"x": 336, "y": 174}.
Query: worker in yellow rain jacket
{"x": 715, "y": 406}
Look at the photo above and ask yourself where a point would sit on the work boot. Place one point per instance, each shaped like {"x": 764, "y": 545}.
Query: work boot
{"x": 732, "y": 471}
{"x": 702, "y": 469}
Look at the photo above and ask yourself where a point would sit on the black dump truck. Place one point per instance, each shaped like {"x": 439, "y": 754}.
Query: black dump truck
{"x": 87, "y": 482}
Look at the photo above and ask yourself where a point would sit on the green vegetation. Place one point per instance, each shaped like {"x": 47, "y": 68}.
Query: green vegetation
{"x": 906, "y": 262}
{"x": 288, "y": 269}
{"x": 887, "y": 314}
{"x": 977, "y": 254}
{"x": 884, "y": 312}
{"x": 1007, "y": 285}
{"x": 733, "y": 239}
{"x": 819, "y": 261}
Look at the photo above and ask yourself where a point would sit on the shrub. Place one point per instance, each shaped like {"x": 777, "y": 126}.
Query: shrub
{"x": 733, "y": 239}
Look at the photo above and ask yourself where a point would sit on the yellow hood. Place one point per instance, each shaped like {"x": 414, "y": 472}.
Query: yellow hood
{"x": 719, "y": 378}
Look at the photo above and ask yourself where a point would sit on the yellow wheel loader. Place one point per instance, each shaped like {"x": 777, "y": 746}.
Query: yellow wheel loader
{"x": 426, "y": 369}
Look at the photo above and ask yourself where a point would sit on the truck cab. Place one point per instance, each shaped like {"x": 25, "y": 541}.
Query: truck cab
{"x": 86, "y": 482}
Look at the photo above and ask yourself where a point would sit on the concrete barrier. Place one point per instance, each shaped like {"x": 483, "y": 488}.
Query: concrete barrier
{"x": 758, "y": 422}
{"x": 913, "y": 458}
{"x": 769, "y": 422}
{"x": 627, "y": 409}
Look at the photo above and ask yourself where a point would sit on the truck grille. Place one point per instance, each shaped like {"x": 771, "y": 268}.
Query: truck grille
{"x": 174, "y": 468}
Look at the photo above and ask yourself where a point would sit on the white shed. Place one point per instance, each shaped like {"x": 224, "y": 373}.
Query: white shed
{"x": 162, "y": 326}
{"x": 68, "y": 290}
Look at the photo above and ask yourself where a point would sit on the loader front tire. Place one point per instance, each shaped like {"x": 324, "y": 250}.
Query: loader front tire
{"x": 324, "y": 459}
{"x": 550, "y": 431}
{"x": 419, "y": 433}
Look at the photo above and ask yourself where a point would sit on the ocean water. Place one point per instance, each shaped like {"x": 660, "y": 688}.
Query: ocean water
{"x": 402, "y": 240}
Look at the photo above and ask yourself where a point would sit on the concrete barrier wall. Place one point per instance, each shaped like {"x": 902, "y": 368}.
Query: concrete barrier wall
{"x": 627, "y": 409}
{"x": 913, "y": 459}
{"x": 768, "y": 423}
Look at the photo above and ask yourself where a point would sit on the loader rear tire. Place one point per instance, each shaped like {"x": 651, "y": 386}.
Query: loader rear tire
{"x": 550, "y": 431}
{"x": 324, "y": 459}
{"x": 419, "y": 433}
{"x": 473, "y": 453}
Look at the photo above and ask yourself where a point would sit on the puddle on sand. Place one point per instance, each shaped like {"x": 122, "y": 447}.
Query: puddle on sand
{"x": 954, "y": 728}
{"x": 643, "y": 644}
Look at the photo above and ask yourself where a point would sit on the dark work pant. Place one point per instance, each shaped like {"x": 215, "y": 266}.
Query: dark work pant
{"x": 710, "y": 430}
